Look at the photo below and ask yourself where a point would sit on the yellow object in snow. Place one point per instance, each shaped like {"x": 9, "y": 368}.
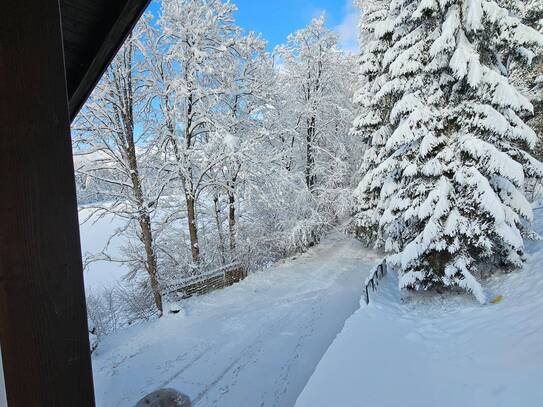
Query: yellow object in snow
{"x": 497, "y": 300}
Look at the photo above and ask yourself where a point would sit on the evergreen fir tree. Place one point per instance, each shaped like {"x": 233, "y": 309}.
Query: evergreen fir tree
{"x": 530, "y": 78}
{"x": 451, "y": 178}
{"x": 371, "y": 125}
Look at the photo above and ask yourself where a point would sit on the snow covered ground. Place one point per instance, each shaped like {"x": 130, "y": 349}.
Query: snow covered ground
{"x": 253, "y": 344}
{"x": 447, "y": 351}
{"x": 3, "y": 399}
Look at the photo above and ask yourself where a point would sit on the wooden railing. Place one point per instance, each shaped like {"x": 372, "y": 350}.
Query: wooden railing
{"x": 206, "y": 282}
{"x": 373, "y": 279}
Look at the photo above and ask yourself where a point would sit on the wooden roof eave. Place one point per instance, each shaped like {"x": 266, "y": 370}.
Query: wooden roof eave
{"x": 93, "y": 32}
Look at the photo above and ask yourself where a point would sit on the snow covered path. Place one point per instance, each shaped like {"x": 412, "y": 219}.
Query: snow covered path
{"x": 445, "y": 351}
{"x": 253, "y": 344}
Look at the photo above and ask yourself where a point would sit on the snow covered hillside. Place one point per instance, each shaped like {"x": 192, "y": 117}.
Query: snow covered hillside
{"x": 94, "y": 236}
{"x": 253, "y": 344}
{"x": 447, "y": 351}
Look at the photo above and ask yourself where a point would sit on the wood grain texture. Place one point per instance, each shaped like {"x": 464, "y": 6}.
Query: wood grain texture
{"x": 43, "y": 322}
{"x": 93, "y": 32}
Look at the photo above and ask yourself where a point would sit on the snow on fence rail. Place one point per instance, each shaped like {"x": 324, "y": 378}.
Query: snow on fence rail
{"x": 373, "y": 279}
{"x": 209, "y": 281}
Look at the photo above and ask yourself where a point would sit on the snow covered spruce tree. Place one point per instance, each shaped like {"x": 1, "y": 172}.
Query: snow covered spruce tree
{"x": 371, "y": 126}
{"x": 451, "y": 178}
{"x": 530, "y": 78}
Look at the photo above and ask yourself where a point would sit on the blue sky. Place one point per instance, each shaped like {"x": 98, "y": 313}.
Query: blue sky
{"x": 275, "y": 19}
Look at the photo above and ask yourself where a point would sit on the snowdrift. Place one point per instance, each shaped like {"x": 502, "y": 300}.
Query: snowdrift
{"x": 446, "y": 351}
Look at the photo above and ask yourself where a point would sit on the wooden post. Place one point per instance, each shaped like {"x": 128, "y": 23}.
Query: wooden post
{"x": 43, "y": 322}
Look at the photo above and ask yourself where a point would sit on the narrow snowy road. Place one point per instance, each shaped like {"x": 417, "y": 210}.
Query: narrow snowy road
{"x": 252, "y": 344}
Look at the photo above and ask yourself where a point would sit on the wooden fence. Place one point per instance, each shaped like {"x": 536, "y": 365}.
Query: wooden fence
{"x": 213, "y": 280}
{"x": 373, "y": 279}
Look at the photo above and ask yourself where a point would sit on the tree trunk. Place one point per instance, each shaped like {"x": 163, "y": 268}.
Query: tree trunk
{"x": 186, "y": 179}
{"x": 189, "y": 188}
{"x": 152, "y": 269}
{"x": 232, "y": 211}
{"x": 217, "y": 210}
{"x": 144, "y": 220}
{"x": 193, "y": 227}
{"x": 125, "y": 116}
{"x": 310, "y": 158}
{"x": 189, "y": 200}
{"x": 232, "y": 222}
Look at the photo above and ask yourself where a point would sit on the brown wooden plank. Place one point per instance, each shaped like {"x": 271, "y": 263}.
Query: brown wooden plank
{"x": 43, "y": 322}
{"x": 101, "y": 37}
{"x": 85, "y": 25}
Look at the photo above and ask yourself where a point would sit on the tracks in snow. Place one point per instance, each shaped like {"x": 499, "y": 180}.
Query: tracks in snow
{"x": 252, "y": 344}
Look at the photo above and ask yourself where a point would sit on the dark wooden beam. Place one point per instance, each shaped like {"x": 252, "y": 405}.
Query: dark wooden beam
{"x": 43, "y": 322}
{"x": 107, "y": 33}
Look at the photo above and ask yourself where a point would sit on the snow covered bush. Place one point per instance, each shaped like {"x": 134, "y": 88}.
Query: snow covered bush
{"x": 103, "y": 312}
{"x": 93, "y": 338}
{"x": 449, "y": 152}
{"x": 120, "y": 305}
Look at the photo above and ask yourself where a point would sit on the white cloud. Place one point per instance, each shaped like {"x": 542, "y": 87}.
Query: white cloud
{"x": 348, "y": 29}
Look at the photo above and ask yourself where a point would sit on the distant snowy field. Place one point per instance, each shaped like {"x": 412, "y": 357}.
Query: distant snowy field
{"x": 253, "y": 344}
{"x": 447, "y": 351}
{"x": 94, "y": 236}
